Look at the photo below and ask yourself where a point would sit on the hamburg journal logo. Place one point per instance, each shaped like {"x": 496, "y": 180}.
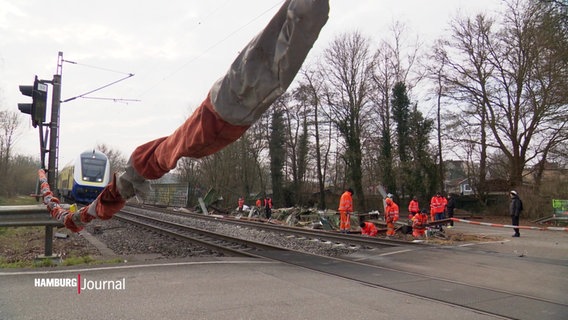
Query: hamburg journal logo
{"x": 81, "y": 284}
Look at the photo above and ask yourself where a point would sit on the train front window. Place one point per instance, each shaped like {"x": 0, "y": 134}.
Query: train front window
{"x": 93, "y": 169}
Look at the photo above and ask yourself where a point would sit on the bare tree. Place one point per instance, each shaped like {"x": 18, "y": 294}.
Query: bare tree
{"x": 393, "y": 63}
{"x": 462, "y": 74}
{"x": 116, "y": 158}
{"x": 530, "y": 112}
{"x": 277, "y": 151}
{"x": 295, "y": 116}
{"x": 347, "y": 87}
{"x": 9, "y": 123}
{"x": 310, "y": 92}
{"x": 223, "y": 171}
{"x": 258, "y": 152}
{"x": 513, "y": 80}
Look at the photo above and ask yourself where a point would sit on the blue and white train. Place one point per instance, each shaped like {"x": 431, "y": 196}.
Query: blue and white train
{"x": 84, "y": 178}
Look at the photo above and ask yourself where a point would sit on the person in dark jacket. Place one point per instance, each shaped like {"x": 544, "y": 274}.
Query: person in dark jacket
{"x": 268, "y": 207}
{"x": 515, "y": 209}
{"x": 450, "y": 207}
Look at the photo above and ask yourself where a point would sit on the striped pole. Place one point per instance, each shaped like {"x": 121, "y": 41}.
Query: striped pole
{"x": 52, "y": 203}
{"x": 510, "y": 226}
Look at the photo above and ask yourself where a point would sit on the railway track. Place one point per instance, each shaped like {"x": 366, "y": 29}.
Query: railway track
{"x": 499, "y": 303}
{"x": 215, "y": 241}
{"x": 354, "y": 240}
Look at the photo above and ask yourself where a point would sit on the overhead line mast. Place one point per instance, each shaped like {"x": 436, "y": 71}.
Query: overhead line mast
{"x": 54, "y": 124}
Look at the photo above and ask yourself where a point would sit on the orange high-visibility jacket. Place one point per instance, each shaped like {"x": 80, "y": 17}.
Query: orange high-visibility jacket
{"x": 346, "y": 202}
{"x": 391, "y": 211}
{"x": 369, "y": 229}
{"x": 413, "y": 206}
{"x": 419, "y": 221}
{"x": 438, "y": 204}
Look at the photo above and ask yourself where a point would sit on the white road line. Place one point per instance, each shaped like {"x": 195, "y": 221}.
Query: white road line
{"x": 477, "y": 243}
{"x": 395, "y": 252}
{"x": 138, "y": 266}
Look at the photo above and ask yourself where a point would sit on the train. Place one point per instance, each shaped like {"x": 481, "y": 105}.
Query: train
{"x": 84, "y": 178}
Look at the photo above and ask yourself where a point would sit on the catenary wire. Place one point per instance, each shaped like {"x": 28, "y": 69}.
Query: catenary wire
{"x": 230, "y": 35}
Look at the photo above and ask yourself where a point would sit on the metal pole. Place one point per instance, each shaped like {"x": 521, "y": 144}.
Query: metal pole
{"x": 48, "y": 241}
{"x": 54, "y": 126}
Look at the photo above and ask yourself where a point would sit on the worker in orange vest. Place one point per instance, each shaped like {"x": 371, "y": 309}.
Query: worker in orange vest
{"x": 345, "y": 210}
{"x": 413, "y": 207}
{"x": 368, "y": 229}
{"x": 419, "y": 224}
{"x": 438, "y": 207}
{"x": 391, "y": 216}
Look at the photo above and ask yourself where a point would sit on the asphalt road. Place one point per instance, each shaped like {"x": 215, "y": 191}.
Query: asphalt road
{"x": 534, "y": 265}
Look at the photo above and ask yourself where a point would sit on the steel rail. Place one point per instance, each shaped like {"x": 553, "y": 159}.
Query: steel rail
{"x": 467, "y": 296}
{"x": 215, "y": 241}
{"x": 315, "y": 234}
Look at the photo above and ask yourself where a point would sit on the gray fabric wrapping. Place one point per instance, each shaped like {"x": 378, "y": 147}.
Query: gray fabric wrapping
{"x": 92, "y": 211}
{"x": 260, "y": 74}
{"x": 268, "y": 64}
{"x": 130, "y": 183}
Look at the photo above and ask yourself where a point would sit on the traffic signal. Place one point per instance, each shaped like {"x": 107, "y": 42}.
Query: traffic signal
{"x": 37, "y": 108}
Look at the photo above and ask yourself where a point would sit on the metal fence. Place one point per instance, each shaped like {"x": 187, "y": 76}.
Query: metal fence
{"x": 169, "y": 195}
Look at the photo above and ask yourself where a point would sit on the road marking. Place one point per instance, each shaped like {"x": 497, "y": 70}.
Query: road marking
{"x": 486, "y": 242}
{"x": 395, "y": 252}
{"x": 138, "y": 266}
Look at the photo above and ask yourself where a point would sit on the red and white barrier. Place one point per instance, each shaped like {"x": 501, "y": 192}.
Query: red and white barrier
{"x": 510, "y": 226}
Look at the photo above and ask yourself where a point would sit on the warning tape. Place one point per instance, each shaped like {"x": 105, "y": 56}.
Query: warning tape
{"x": 509, "y": 226}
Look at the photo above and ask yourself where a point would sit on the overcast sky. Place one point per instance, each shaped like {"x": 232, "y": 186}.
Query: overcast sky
{"x": 175, "y": 48}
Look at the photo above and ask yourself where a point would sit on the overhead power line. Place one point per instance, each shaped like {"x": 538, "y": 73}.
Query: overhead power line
{"x": 227, "y": 37}
{"x": 99, "y": 88}
{"x": 128, "y": 75}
